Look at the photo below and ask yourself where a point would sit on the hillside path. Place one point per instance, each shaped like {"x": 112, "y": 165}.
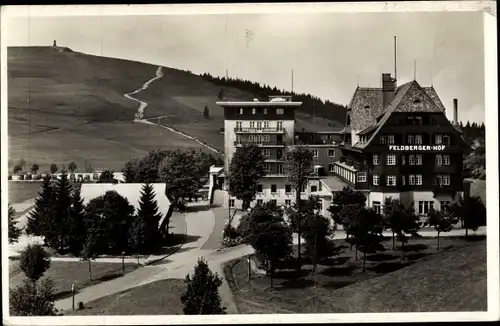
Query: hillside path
{"x": 139, "y": 115}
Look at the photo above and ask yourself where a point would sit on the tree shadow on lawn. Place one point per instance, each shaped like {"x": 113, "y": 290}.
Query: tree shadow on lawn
{"x": 337, "y": 284}
{"x": 339, "y": 271}
{"x": 413, "y": 247}
{"x": 197, "y": 208}
{"x": 291, "y": 274}
{"x": 301, "y": 283}
{"x": 474, "y": 238}
{"x": 387, "y": 267}
{"x": 175, "y": 239}
{"x": 335, "y": 261}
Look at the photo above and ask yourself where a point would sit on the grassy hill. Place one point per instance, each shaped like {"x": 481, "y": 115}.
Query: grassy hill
{"x": 78, "y": 112}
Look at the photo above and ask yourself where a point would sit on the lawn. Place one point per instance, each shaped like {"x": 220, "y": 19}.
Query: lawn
{"x": 22, "y": 191}
{"x": 388, "y": 285}
{"x": 157, "y": 298}
{"x": 66, "y": 273}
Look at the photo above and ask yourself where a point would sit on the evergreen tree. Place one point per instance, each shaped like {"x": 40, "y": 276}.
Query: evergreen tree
{"x": 202, "y": 293}
{"x": 14, "y": 232}
{"x": 147, "y": 221}
{"x": 62, "y": 213}
{"x": 39, "y": 219}
{"x": 76, "y": 224}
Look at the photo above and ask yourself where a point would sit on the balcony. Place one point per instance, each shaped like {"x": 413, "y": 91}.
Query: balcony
{"x": 259, "y": 130}
{"x": 263, "y": 144}
{"x": 443, "y": 189}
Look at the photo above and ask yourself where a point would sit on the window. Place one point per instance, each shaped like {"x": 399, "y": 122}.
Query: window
{"x": 438, "y": 180}
{"x": 375, "y": 179}
{"x": 403, "y": 159}
{"x": 376, "y": 159}
{"x": 259, "y": 125}
{"x": 383, "y": 140}
{"x": 274, "y": 202}
{"x": 439, "y": 140}
{"x": 314, "y": 188}
{"x": 390, "y": 139}
{"x": 439, "y": 159}
{"x": 418, "y": 139}
{"x": 331, "y": 167}
{"x": 424, "y": 207}
{"x": 418, "y": 120}
{"x": 376, "y": 207}
{"x": 418, "y": 179}
{"x": 288, "y": 189}
{"x": 280, "y": 168}
{"x": 446, "y": 140}
{"x": 320, "y": 186}
{"x": 231, "y": 202}
{"x": 259, "y": 188}
{"x": 390, "y": 159}
{"x": 260, "y": 202}
{"x": 418, "y": 159}
{"x": 446, "y": 160}
{"x": 288, "y": 202}
{"x": 238, "y": 125}
{"x": 331, "y": 152}
{"x": 444, "y": 204}
{"x": 267, "y": 167}
{"x": 265, "y": 110}
{"x": 320, "y": 205}
{"x": 266, "y": 152}
{"x": 241, "y": 110}
{"x": 253, "y": 110}
{"x": 273, "y": 189}
{"x": 279, "y": 125}
{"x": 303, "y": 189}
{"x": 446, "y": 179}
{"x": 361, "y": 176}
{"x": 391, "y": 180}
{"x": 252, "y": 124}
{"x": 411, "y": 179}
{"x": 280, "y": 111}
{"x": 266, "y": 124}
{"x": 411, "y": 159}
{"x": 315, "y": 153}
{"x": 403, "y": 180}
{"x": 411, "y": 139}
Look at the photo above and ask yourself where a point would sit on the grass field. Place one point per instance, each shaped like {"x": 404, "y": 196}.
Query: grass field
{"x": 77, "y": 109}
{"x": 66, "y": 273}
{"x": 157, "y": 298}
{"x": 453, "y": 279}
{"x": 22, "y": 191}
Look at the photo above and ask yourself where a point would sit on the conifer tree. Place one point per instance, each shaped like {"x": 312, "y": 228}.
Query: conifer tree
{"x": 202, "y": 294}
{"x": 38, "y": 220}
{"x": 76, "y": 224}
{"x": 14, "y": 232}
{"x": 148, "y": 219}
{"x": 62, "y": 212}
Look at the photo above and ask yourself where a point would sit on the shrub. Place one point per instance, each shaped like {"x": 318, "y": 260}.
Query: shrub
{"x": 21, "y": 177}
{"x": 29, "y": 177}
{"x": 32, "y": 299}
{"x": 34, "y": 261}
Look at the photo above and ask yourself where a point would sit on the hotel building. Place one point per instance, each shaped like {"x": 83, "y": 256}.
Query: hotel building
{"x": 397, "y": 142}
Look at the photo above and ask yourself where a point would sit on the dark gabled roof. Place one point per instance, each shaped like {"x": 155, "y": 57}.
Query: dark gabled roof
{"x": 368, "y": 130}
{"x": 434, "y": 96}
{"x": 409, "y": 97}
{"x": 366, "y": 104}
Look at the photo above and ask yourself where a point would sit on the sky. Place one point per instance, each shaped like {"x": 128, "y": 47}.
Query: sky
{"x": 328, "y": 52}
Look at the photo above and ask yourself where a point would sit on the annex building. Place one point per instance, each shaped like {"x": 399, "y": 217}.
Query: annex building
{"x": 397, "y": 142}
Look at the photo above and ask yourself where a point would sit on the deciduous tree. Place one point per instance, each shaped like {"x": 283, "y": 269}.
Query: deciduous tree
{"x": 366, "y": 232}
{"x": 202, "y": 293}
{"x": 145, "y": 169}
{"x": 34, "y": 262}
{"x": 299, "y": 167}
{"x": 33, "y": 299}
{"x": 17, "y": 168}
{"x": 35, "y": 167}
{"x": 441, "y": 220}
{"x": 72, "y": 166}
{"x": 471, "y": 211}
{"x": 53, "y": 168}
{"x": 107, "y": 177}
{"x": 402, "y": 219}
{"x": 245, "y": 171}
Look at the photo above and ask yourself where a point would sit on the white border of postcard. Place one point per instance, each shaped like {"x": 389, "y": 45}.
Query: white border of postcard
{"x": 491, "y": 112}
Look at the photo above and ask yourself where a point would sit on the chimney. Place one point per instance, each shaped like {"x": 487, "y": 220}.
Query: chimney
{"x": 455, "y": 111}
{"x": 55, "y": 44}
{"x": 388, "y": 89}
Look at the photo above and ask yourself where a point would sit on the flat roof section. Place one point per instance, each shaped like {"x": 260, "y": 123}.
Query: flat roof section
{"x": 334, "y": 184}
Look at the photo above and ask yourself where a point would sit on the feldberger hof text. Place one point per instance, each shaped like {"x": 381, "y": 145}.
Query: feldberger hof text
{"x": 417, "y": 148}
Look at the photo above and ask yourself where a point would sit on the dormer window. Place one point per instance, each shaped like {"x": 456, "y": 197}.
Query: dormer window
{"x": 367, "y": 106}
{"x": 416, "y": 101}
{"x": 348, "y": 120}
{"x": 241, "y": 110}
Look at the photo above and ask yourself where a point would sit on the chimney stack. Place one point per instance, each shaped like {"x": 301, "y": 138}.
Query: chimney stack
{"x": 388, "y": 89}
{"x": 455, "y": 111}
